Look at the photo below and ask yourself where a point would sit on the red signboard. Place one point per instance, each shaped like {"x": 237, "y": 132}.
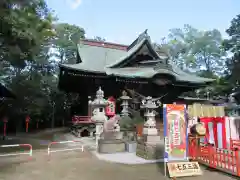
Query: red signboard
{"x": 111, "y": 108}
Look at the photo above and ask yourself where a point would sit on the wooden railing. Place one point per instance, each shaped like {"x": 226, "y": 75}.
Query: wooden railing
{"x": 226, "y": 160}
{"x": 81, "y": 119}
{"x": 235, "y": 144}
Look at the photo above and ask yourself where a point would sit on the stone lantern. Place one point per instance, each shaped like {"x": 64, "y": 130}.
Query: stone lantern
{"x": 150, "y": 144}
{"x": 149, "y": 105}
{"x": 125, "y": 103}
{"x": 98, "y": 115}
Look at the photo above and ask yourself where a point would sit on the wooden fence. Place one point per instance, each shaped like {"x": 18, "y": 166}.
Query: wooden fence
{"x": 226, "y": 160}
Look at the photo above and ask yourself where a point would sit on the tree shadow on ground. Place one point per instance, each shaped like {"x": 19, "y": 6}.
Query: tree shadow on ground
{"x": 160, "y": 166}
{"x": 159, "y": 152}
{"x": 218, "y": 171}
{"x": 10, "y": 164}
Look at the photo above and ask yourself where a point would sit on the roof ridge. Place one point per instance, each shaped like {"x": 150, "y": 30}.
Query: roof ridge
{"x": 140, "y": 37}
{"x": 103, "y": 44}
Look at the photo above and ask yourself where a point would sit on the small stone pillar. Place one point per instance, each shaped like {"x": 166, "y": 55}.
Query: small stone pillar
{"x": 150, "y": 131}
{"x": 125, "y": 104}
{"x": 98, "y": 105}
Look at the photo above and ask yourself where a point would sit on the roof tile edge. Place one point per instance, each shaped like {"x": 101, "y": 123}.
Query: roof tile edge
{"x": 104, "y": 44}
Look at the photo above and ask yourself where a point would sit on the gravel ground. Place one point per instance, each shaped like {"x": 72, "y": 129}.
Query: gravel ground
{"x": 39, "y": 140}
{"x": 77, "y": 165}
{"x": 83, "y": 166}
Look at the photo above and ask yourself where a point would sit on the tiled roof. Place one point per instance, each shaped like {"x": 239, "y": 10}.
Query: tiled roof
{"x": 104, "y": 44}
{"x": 113, "y": 59}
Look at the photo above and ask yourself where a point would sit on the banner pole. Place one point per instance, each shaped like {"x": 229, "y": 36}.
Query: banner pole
{"x": 165, "y": 169}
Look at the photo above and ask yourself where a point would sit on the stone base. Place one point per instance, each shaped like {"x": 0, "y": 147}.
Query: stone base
{"x": 112, "y": 135}
{"x": 111, "y": 146}
{"x": 152, "y": 150}
{"x": 150, "y": 131}
{"x": 150, "y": 139}
{"x": 131, "y": 146}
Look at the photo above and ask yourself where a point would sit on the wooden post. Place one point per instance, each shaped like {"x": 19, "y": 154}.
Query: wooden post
{"x": 237, "y": 161}
{"x": 5, "y": 120}
{"x": 230, "y": 133}
{"x": 37, "y": 123}
{"x": 27, "y": 121}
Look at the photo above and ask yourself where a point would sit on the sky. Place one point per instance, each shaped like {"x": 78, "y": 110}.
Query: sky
{"x": 121, "y": 21}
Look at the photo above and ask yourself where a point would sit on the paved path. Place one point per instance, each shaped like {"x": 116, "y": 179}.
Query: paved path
{"x": 124, "y": 158}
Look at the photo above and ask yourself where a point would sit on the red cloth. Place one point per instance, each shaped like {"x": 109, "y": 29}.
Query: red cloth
{"x": 222, "y": 121}
{"x": 205, "y": 121}
{"x": 215, "y": 121}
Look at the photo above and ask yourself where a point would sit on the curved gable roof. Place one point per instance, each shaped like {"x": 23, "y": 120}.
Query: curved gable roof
{"x": 127, "y": 57}
{"x": 113, "y": 59}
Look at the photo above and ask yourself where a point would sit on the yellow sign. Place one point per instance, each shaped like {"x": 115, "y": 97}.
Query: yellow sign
{"x": 180, "y": 169}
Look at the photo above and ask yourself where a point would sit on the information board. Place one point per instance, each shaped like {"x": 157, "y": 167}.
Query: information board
{"x": 181, "y": 169}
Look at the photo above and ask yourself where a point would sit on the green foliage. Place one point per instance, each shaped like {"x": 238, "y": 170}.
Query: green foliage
{"x": 25, "y": 26}
{"x": 28, "y": 66}
{"x": 200, "y": 52}
{"x": 100, "y": 39}
{"x": 193, "y": 49}
{"x": 232, "y": 45}
{"x": 67, "y": 38}
{"x": 128, "y": 123}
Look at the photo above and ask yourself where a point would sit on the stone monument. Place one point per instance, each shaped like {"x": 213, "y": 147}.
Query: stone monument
{"x": 98, "y": 115}
{"x": 111, "y": 138}
{"x": 111, "y": 128}
{"x": 149, "y": 144}
{"x": 125, "y": 104}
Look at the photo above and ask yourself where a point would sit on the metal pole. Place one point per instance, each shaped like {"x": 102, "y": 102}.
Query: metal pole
{"x": 165, "y": 169}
